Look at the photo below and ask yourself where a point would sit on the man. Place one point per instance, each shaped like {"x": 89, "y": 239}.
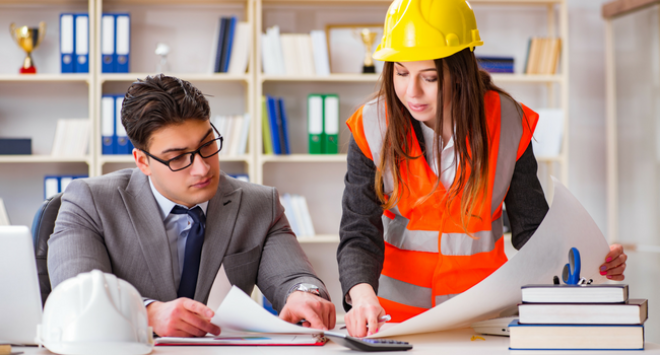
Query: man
{"x": 169, "y": 225}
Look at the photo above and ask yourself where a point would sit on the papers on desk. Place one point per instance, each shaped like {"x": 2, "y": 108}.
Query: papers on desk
{"x": 244, "y": 322}
{"x": 566, "y": 225}
{"x": 246, "y": 339}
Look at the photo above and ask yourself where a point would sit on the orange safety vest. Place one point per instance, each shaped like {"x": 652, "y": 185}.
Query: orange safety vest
{"x": 428, "y": 256}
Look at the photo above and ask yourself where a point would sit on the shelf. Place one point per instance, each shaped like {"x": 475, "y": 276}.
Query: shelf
{"x": 64, "y": 78}
{"x": 131, "y": 77}
{"x": 319, "y": 238}
{"x": 41, "y": 159}
{"x": 43, "y": 2}
{"x": 387, "y": 2}
{"x": 171, "y": 2}
{"x": 304, "y": 158}
{"x": 109, "y": 159}
{"x": 369, "y": 78}
{"x": 527, "y": 78}
{"x": 360, "y": 78}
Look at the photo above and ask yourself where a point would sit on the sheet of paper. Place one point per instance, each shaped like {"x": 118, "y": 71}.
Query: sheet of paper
{"x": 238, "y": 312}
{"x": 245, "y": 339}
{"x": 566, "y": 225}
{"x": 219, "y": 289}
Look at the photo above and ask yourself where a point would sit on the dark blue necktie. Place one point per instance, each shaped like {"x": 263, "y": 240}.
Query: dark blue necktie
{"x": 193, "y": 253}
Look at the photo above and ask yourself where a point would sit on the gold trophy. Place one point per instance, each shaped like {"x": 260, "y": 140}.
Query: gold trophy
{"x": 29, "y": 39}
{"x": 368, "y": 39}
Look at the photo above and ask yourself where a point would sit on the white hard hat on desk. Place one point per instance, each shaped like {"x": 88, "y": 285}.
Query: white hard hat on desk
{"x": 95, "y": 313}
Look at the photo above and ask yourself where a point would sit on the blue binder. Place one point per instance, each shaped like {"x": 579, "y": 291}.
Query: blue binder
{"x": 285, "y": 131}
{"x": 67, "y": 43}
{"x": 81, "y": 30}
{"x": 122, "y": 43}
{"x": 108, "y": 136}
{"x": 229, "y": 41}
{"x": 123, "y": 145}
{"x": 275, "y": 124}
{"x": 108, "y": 43}
{"x": 224, "y": 23}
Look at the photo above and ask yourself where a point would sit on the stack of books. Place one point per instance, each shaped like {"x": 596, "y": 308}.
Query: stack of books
{"x": 572, "y": 317}
{"x": 294, "y": 54}
{"x": 496, "y": 64}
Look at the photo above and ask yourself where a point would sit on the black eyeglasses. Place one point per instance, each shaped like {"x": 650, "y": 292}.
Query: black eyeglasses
{"x": 185, "y": 160}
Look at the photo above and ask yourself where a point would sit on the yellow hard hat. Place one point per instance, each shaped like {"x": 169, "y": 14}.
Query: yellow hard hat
{"x": 427, "y": 29}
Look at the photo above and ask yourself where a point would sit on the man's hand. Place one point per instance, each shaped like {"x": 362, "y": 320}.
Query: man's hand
{"x": 317, "y": 312}
{"x": 362, "y": 319}
{"x": 182, "y": 317}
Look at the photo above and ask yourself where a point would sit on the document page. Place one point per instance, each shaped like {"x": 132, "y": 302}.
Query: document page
{"x": 238, "y": 312}
{"x": 566, "y": 225}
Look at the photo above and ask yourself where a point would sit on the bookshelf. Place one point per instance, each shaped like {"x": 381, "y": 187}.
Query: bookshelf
{"x": 188, "y": 27}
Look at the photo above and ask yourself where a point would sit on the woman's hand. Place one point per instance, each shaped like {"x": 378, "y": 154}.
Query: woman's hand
{"x": 615, "y": 263}
{"x": 366, "y": 311}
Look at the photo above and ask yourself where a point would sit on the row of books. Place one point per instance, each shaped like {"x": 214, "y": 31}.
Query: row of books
{"x": 71, "y": 138}
{"x": 562, "y": 317}
{"x": 74, "y": 42}
{"x": 496, "y": 64}
{"x": 113, "y": 134}
{"x": 234, "y": 130}
{"x": 294, "y": 54}
{"x": 543, "y": 55}
{"x": 297, "y": 212}
{"x": 115, "y": 43}
{"x": 231, "y": 46}
{"x": 54, "y": 184}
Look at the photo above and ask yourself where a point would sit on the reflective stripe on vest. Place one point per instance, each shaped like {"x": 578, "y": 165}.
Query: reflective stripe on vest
{"x": 425, "y": 267}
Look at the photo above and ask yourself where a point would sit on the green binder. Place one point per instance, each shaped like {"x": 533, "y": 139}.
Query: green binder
{"x": 265, "y": 128}
{"x": 315, "y": 123}
{"x": 331, "y": 124}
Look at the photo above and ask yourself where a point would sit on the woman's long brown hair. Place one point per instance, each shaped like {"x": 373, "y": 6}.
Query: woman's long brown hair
{"x": 470, "y": 134}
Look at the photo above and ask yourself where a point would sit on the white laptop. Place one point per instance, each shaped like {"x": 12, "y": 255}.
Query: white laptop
{"x": 20, "y": 298}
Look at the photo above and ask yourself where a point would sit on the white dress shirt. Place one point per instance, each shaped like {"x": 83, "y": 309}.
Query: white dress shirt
{"x": 449, "y": 161}
{"x": 177, "y": 227}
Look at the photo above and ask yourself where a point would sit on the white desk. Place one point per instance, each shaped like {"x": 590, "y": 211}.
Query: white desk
{"x": 443, "y": 343}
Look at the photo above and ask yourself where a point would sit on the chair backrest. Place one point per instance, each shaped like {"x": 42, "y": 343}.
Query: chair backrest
{"x": 42, "y": 227}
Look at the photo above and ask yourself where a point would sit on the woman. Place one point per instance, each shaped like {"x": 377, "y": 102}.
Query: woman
{"x": 428, "y": 160}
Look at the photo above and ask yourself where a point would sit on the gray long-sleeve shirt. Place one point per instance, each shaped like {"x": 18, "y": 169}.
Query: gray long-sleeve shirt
{"x": 361, "y": 248}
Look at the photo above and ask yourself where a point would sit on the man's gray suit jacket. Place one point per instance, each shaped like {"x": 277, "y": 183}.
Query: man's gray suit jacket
{"x": 113, "y": 223}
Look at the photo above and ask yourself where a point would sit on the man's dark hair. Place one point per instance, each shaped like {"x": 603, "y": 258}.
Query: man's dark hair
{"x": 158, "y": 101}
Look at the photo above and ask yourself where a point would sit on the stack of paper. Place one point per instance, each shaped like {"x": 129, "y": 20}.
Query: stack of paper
{"x": 71, "y": 138}
{"x": 244, "y": 322}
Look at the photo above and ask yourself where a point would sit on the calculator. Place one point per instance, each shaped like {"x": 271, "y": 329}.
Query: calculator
{"x": 362, "y": 344}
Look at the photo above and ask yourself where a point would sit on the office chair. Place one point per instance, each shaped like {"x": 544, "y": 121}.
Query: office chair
{"x": 42, "y": 227}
